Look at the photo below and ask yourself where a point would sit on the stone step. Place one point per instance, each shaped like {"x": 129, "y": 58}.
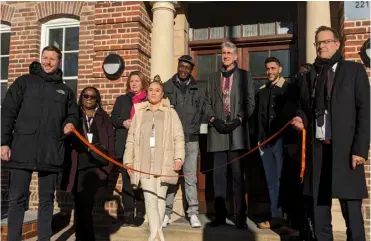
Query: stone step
{"x": 180, "y": 230}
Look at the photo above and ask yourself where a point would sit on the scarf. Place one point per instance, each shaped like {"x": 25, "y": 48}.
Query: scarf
{"x": 228, "y": 73}
{"x": 323, "y": 94}
{"x": 137, "y": 99}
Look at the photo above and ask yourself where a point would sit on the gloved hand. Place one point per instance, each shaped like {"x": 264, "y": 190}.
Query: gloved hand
{"x": 219, "y": 125}
{"x": 231, "y": 126}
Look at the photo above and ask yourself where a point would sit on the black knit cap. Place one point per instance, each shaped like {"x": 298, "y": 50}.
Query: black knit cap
{"x": 186, "y": 58}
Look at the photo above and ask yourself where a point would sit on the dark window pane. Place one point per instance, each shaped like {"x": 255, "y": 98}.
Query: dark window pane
{"x": 256, "y": 63}
{"x": 70, "y": 64}
{"x": 5, "y": 41}
{"x": 284, "y": 57}
{"x": 204, "y": 67}
{"x": 56, "y": 38}
{"x": 72, "y": 83}
{"x": 4, "y": 88}
{"x": 4, "y": 68}
{"x": 72, "y": 39}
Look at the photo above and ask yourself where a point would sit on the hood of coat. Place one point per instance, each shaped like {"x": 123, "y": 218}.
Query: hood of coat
{"x": 36, "y": 69}
{"x": 164, "y": 106}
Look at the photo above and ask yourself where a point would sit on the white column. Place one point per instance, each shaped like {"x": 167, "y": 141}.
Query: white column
{"x": 162, "y": 56}
{"x": 318, "y": 13}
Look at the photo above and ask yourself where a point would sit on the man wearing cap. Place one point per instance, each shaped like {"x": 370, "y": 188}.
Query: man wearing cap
{"x": 186, "y": 95}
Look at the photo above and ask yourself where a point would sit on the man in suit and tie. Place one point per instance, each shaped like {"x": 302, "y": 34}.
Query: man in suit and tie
{"x": 229, "y": 104}
{"x": 334, "y": 107}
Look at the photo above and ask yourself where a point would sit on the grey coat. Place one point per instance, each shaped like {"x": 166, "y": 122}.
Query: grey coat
{"x": 242, "y": 105}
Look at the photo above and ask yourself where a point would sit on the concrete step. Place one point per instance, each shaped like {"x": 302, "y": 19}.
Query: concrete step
{"x": 180, "y": 230}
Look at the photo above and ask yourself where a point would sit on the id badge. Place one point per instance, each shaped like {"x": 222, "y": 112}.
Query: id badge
{"x": 90, "y": 137}
{"x": 152, "y": 141}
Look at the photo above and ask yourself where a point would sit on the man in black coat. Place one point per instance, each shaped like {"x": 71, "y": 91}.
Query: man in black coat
{"x": 38, "y": 112}
{"x": 335, "y": 109}
{"x": 230, "y": 103}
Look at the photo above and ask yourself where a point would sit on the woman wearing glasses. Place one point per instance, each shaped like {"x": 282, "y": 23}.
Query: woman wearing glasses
{"x": 122, "y": 115}
{"x": 88, "y": 172}
{"x": 155, "y": 144}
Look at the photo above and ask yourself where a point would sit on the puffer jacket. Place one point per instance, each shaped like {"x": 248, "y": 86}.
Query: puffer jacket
{"x": 34, "y": 112}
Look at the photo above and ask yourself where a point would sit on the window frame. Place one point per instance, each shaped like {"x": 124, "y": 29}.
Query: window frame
{"x": 5, "y": 29}
{"x": 58, "y": 24}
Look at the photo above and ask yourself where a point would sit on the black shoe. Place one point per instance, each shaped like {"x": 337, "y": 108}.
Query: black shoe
{"x": 241, "y": 223}
{"x": 138, "y": 221}
{"x": 128, "y": 219}
{"x": 217, "y": 222}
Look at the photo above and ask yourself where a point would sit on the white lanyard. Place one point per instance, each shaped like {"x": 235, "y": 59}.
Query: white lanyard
{"x": 89, "y": 122}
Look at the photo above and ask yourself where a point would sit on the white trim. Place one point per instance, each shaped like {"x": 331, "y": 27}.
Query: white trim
{"x": 4, "y": 29}
{"x": 59, "y": 23}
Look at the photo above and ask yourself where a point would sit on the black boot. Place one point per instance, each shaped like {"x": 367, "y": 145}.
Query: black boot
{"x": 138, "y": 220}
{"x": 128, "y": 219}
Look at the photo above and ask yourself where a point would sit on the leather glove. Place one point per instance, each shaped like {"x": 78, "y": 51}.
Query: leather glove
{"x": 231, "y": 126}
{"x": 219, "y": 125}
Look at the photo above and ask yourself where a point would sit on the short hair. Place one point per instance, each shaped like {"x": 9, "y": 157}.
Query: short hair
{"x": 54, "y": 49}
{"x": 272, "y": 59}
{"x": 325, "y": 28}
{"x": 142, "y": 78}
{"x": 157, "y": 80}
{"x": 228, "y": 44}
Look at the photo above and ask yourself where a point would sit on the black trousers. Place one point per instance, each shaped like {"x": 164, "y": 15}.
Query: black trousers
{"x": 220, "y": 184}
{"x": 19, "y": 199}
{"x": 87, "y": 184}
{"x": 350, "y": 208}
{"x": 133, "y": 199}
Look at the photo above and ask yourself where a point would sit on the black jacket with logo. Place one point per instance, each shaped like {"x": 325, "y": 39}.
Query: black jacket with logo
{"x": 34, "y": 112}
{"x": 189, "y": 105}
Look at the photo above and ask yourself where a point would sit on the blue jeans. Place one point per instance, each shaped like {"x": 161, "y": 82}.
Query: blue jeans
{"x": 190, "y": 178}
{"x": 272, "y": 157}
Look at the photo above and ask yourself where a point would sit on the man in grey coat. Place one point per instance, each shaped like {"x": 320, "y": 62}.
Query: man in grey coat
{"x": 230, "y": 103}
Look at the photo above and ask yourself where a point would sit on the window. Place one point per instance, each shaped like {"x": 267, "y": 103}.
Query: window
{"x": 5, "y": 44}
{"x": 257, "y": 67}
{"x": 241, "y": 31}
{"x": 64, "y": 34}
{"x": 207, "y": 64}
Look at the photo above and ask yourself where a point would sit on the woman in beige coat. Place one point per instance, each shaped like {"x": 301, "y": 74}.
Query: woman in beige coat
{"x": 155, "y": 144}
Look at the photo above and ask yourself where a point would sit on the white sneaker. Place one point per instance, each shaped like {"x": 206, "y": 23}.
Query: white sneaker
{"x": 166, "y": 221}
{"x": 195, "y": 222}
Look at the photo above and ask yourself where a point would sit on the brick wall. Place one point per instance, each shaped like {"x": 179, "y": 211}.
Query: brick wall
{"x": 105, "y": 27}
{"x": 355, "y": 33}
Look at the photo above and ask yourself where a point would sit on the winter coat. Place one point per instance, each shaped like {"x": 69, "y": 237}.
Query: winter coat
{"x": 107, "y": 141}
{"x": 171, "y": 148}
{"x": 34, "y": 112}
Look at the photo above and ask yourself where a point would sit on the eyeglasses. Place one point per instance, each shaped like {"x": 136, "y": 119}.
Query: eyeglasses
{"x": 92, "y": 97}
{"x": 326, "y": 42}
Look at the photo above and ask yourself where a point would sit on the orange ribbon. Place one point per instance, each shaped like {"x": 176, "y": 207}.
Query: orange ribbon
{"x": 110, "y": 159}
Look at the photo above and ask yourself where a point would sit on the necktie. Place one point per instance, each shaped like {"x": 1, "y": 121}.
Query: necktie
{"x": 226, "y": 96}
